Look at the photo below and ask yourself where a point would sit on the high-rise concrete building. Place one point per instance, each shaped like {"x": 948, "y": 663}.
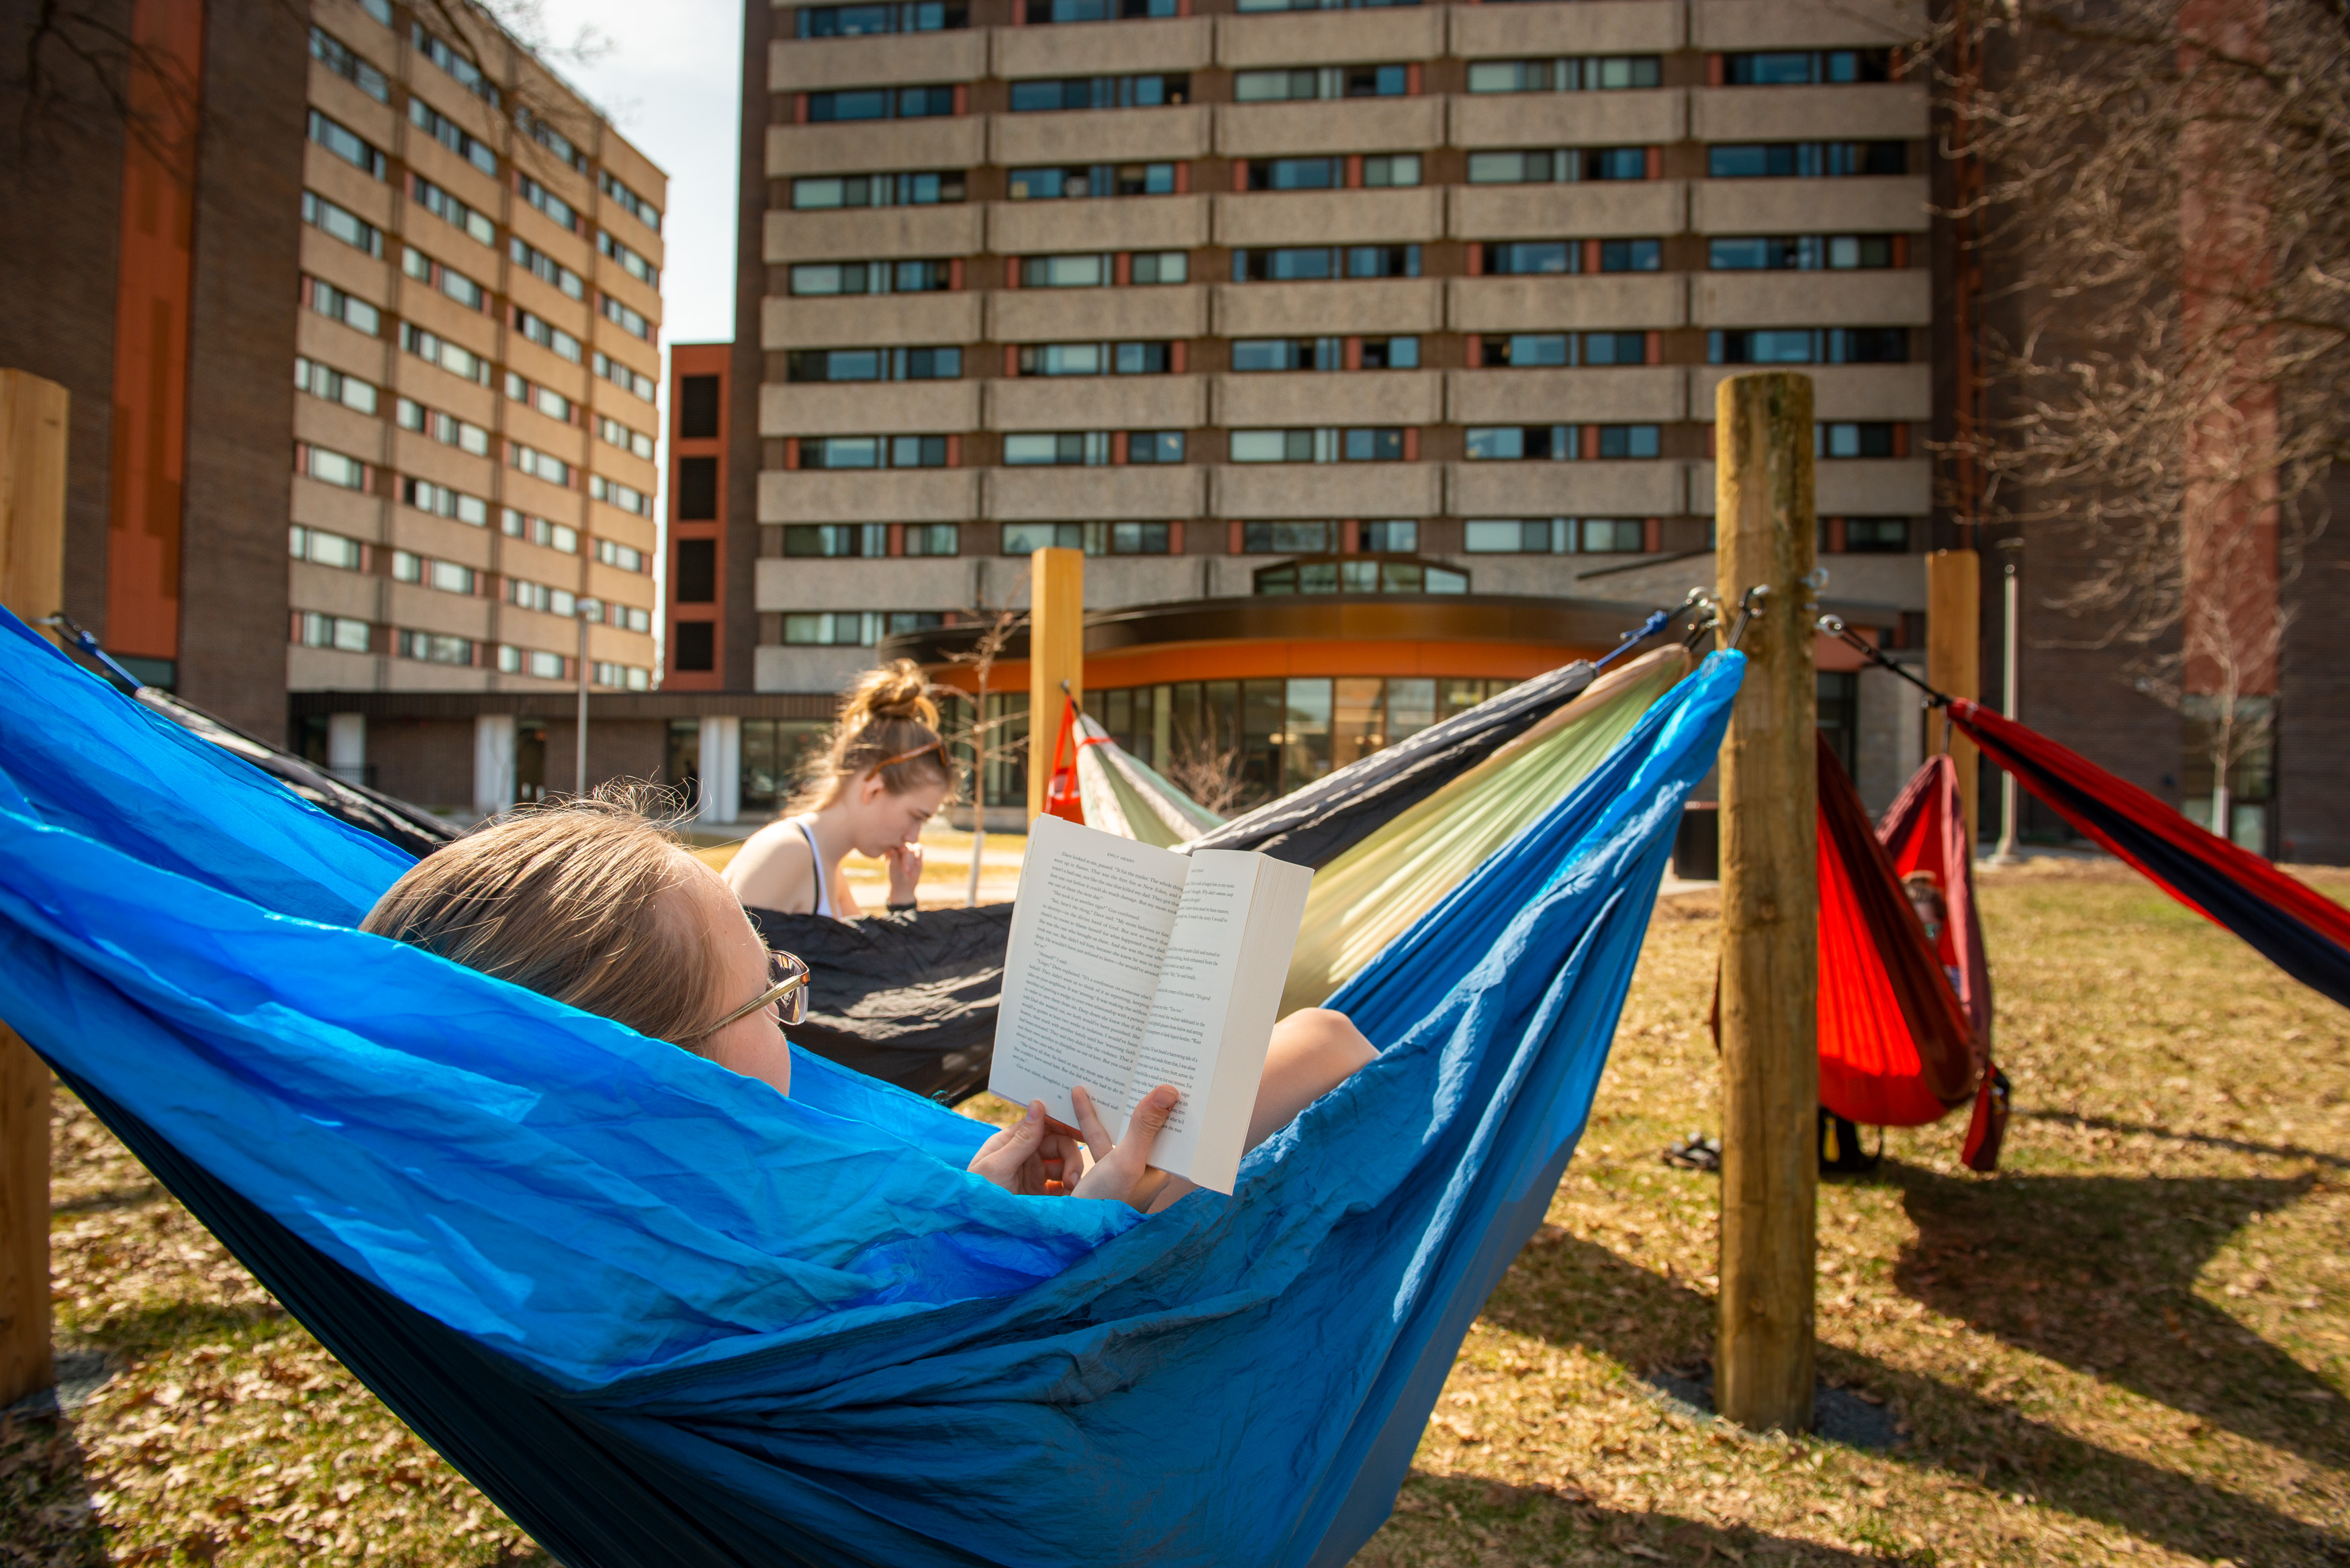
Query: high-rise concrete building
{"x": 1277, "y": 310}
{"x": 359, "y": 307}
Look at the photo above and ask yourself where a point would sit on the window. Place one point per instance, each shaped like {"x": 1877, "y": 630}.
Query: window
{"x": 1803, "y": 253}
{"x": 1347, "y": 575}
{"x": 1100, "y": 92}
{"x": 696, "y": 571}
{"x": 1554, "y": 535}
{"x": 1805, "y": 159}
{"x": 445, "y": 207}
{"x": 1532, "y": 256}
{"x": 1289, "y": 538}
{"x": 1390, "y": 169}
{"x": 1631, "y": 256}
{"x": 835, "y": 539}
{"x": 1145, "y": 268}
{"x": 456, "y": 359}
{"x": 539, "y": 596}
{"x": 544, "y": 268}
{"x": 1614, "y": 349}
{"x": 447, "y": 576}
{"x": 620, "y": 316}
{"x": 1095, "y": 359}
{"x": 467, "y": 74}
{"x": 326, "y": 549}
{"x": 635, "y": 266}
{"x": 338, "y": 632}
{"x": 448, "y": 280}
{"x": 1303, "y": 263}
{"x": 531, "y": 661}
{"x": 452, "y": 136}
{"x": 628, "y": 201}
{"x": 1296, "y": 173}
{"x": 1562, "y": 442}
{"x": 546, "y": 335}
{"x": 880, "y": 103}
{"x": 1321, "y": 82}
{"x": 346, "y": 144}
{"x": 612, "y": 492}
{"x": 348, "y": 227}
{"x": 622, "y": 557}
{"x": 1068, "y": 448}
{"x": 1864, "y": 438}
{"x": 1597, "y": 73}
{"x": 696, "y": 496}
{"x": 440, "y": 500}
{"x": 546, "y": 399}
{"x": 693, "y": 646}
{"x": 1093, "y": 538}
{"x": 871, "y": 277}
{"x": 910, "y": 190}
{"x": 697, "y": 408}
{"x": 1045, "y": 11}
{"x": 546, "y": 136}
{"x": 336, "y": 387}
{"x": 1397, "y": 536}
{"x": 933, "y": 539}
{"x": 331, "y": 467}
{"x": 560, "y": 536}
{"x": 559, "y": 212}
{"x": 858, "y": 21}
{"x": 1876, "y": 535}
{"x": 434, "y": 647}
{"x": 336, "y": 56}
{"x": 1563, "y": 164}
{"x": 1075, "y": 180}
{"x": 379, "y": 9}
{"x": 873, "y": 364}
{"x": 1065, "y": 272}
{"x": 1154, "y": 446}
{"x": 538, "y": 464}
{"x": 631, "y": 676}
{"x": 1788, "y": 67}
{"x": 621, "y": 376}
{"x": 616, "y": 434}
{"x": 1370, "y": 445}
{"x": 1809, "y": 346}
{"x": 873, "y": 452}
{"x": 1289, "y": 354}
{"x": 844, "y": 628}
{"x": 446, "y": 429}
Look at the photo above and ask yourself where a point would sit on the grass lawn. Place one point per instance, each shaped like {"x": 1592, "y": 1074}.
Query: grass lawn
{"x": 2131, "y": 1346}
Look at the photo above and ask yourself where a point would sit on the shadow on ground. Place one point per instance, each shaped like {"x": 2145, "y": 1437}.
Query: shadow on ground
{"x": 1570, "y": 1291}
{"x": 1569, "y": 1528}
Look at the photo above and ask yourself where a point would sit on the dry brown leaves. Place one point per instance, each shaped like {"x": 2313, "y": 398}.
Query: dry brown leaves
{"x": 2131, "y": 1346}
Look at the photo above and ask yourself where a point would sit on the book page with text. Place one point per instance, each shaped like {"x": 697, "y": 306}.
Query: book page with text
{"x": 1185, "y": 1031}
{"x": 1089, "y": 930}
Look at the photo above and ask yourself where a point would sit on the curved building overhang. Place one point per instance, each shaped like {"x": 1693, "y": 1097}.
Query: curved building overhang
{"x": 1489, "y": 635}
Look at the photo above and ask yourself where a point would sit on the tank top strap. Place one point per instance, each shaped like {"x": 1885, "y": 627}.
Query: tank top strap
{"x": 815, "y": 864}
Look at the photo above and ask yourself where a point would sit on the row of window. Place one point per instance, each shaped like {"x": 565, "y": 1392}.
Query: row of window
{"x": 1249, "y": 355}
{"x": 323, "y": 548}
{"x": 1326, "y": 444}
{"x": 340, "y": 58}
{"x": 342, "y": 386}
{"x": 348, "y": 472}
{"x": 347, "y": 635}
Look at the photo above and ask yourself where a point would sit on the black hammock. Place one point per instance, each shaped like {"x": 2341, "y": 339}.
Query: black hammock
{"x": 912, "y": 998}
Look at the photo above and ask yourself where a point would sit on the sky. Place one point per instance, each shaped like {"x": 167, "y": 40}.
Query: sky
{"x": 670, "y": 80}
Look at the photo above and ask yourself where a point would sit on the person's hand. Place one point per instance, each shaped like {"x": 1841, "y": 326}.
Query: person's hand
{"x": 1021, "y": 1158}
{"x": 904, "y": 862}
{"x": 1122, "y": 1169}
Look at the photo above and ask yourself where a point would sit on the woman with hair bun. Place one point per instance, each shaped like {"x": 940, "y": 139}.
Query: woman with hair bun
{"x": 883, "y": 773}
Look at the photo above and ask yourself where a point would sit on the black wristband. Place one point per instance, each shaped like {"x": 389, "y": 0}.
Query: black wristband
{"x": 900, "y": 909}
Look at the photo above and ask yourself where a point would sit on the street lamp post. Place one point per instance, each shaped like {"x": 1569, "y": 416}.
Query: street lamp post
{"x": 2005, "y": 854}
{"x": 588, "y": 612}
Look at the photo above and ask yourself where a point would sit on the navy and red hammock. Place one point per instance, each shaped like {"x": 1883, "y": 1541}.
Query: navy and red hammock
{"x": 2290, "y": 923}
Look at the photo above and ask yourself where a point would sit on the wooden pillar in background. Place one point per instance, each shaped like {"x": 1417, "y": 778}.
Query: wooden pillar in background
{"x": 1954, "y": 664}
{"x": 1056, "y": 652}
{"x": 1765, "y": 520}
{"x": 32, "y": 584}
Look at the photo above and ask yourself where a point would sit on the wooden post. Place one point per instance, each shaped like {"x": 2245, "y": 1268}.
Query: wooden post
{"x": 1764, "y": 523}
{"x": 1954, "y": 664}
{"x": 32, "y": 584}
{"x": 1056, "y": 652}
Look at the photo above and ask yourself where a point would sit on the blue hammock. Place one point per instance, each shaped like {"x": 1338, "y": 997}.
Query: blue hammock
{"x": 661, "y": 1314}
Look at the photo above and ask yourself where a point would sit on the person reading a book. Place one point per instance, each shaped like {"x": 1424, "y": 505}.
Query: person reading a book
{"x": 883, "y": 773}
{"x": 591, "y": 904}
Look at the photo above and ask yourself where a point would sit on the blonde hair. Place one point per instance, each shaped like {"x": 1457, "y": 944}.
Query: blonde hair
{"x": 574, "y": 901}
{"x": 888, "y": 722}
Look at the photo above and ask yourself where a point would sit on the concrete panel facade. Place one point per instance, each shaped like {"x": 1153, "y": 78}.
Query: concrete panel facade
{"x": 1804, "y": 24}
{"x": 899, "y": 496}
{"x": 1095, "y": 494}
{"x": 1092, "y": 136}
{"x": 859, "y": 321}
{"x": 1891, "y": 298}
{"x": 1109, "y": 315}
{"x": 1565, "y": 489}
{"x": 1096, "y": 402}
{"x": 1598, "y": 211}
{"x": 1323, "y": 490}
{"x": 1042, "y": 228}
{"x": 1329, "y": 37}
{"x": 1329, "y": 217}
{"x": 1172, "y": 44}
{"x": 1352, "y": 125}
{"x": 1298, "y": 309}
{"x": 1838, "y": 392}
{"x": 863, "y": 231}
{"x": 808, "y": 65}
{"x": 1874, "y": 204}
{"x": 1861, "y": 110}
{"x": 1595, "y": 27}
{"x": 867, "y": 408}
{"x": 1640, "y": 118}
{"x": 943, "y": 143}
{"x": 1652, "y": 301}
{"x": 1369, "y": 398}
{"x": 1633, "y": 394}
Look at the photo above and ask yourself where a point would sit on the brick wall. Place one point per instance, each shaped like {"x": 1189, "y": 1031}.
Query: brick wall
{"x": 2314, "y": 748}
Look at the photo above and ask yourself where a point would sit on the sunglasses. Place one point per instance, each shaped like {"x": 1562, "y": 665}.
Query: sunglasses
{"x": 787, "y": 983}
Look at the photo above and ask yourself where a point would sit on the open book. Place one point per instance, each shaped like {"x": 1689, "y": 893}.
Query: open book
{"x": 1132, "y": 966}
